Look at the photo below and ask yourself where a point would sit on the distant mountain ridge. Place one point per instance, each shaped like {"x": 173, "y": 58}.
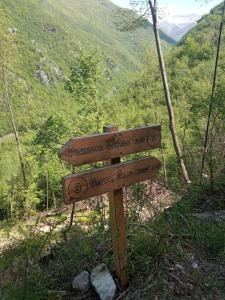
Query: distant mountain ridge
{"x": 177, "y": 26}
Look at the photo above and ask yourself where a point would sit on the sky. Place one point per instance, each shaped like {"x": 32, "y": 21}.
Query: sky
{"x": 176, "y": 7}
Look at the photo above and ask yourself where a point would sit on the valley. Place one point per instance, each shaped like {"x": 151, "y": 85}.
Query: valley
{"x": 67, "y": 70}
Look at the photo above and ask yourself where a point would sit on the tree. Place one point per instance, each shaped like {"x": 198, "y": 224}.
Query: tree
{"x": 146, "y": 8}
{"x": 87, "y": 73}
{"x": 11, "y": 87}
{"x": 48, "y": 140}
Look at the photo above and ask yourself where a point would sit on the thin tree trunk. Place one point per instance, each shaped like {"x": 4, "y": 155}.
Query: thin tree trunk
{"x": 211, "y": 168}
{"x": 47, "y": 191}
{"x": 7, "y": 107}
{"x": 11, "y": 205}
{"x": 172, "y": 125}
{"x": 54, "y": 199}
{"x": 72, "y": 215}
{"x": 17, "y": 138}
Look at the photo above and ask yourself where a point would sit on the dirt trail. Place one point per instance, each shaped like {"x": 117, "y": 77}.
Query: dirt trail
{"x": 42, "y": 223}
{"x": 50, "y": 220}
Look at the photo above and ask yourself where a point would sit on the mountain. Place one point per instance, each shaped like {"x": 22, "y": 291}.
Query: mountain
{"x": 177, "y": 26}
{"x": 49, "y": 34}
{"x": 192, "y": 61}
{"x": 205, "y": 33}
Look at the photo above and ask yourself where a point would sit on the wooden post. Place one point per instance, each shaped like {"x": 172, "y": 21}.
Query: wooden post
{"x": 117, "y": 220}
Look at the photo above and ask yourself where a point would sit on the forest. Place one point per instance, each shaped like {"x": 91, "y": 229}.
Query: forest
{"x": 69, "y": 68}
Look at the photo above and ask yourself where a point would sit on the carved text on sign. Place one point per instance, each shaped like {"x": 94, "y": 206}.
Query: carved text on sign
{"x": 93, "y": 183}
{"x": 95, "y": 148}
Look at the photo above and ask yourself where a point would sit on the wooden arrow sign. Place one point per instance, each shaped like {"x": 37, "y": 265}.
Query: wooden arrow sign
{"x": 85, "y": 150}
{"x": 93, "y": 183}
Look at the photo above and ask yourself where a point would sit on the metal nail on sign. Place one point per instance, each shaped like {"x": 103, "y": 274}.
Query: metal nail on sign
{"x": 111, "y": 145}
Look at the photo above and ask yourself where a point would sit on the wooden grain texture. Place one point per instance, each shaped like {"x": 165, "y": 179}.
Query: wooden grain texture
{"x": 93, "y": 183}
{"x": 85, "y": 150}
{"x": 117, "y": 224}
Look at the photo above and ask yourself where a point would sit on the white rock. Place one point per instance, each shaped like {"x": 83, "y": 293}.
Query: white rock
{"x": 103, "y": 282}
{"x": 81, "y": 282}
{"x": 194, "y": 265}
{"x": 12, "y": 30}
{"x": 106, "y": 227}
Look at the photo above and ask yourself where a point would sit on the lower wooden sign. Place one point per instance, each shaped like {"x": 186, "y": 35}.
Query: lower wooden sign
{"x": 93, "y": 183}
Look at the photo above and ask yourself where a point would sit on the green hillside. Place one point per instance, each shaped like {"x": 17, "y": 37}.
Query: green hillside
{"x": 192, "y": 65}
{"x": 49, "y": 34}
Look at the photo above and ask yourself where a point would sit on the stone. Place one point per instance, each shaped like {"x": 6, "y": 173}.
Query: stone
{"x": 111, "y": 65}
{"x": 46, "y": 255}
{"x": 52, "y": 29}
{"x": 103, "y": 282}
{"x": 42, "y": 76}
{"x": 81, "y": 282}
{"x": 195, "y": 265}
{"x": 57, "y": 72}
{"x": 13, "y": 30}
{"x": 179, "y": 267}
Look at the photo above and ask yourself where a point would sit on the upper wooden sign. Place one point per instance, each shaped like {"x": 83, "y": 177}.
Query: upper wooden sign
{"x": 85, "y": 150}
{"x": 93, "y": 183}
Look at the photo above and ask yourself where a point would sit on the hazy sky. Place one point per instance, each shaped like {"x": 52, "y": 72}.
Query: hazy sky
{"x": 179, "y": 6}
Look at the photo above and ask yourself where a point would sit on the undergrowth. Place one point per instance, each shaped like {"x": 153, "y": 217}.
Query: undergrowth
{"x": 173, "y": 255}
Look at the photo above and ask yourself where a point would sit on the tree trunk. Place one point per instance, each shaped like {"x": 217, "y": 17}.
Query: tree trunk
{"x": 5, "y": 101}
{"x": 72, "y": 215}
{"x": 47, "y": 191}
{"x": 11, "y": 205}
{"x": 54, "y": 198}
{"x": 172, "y": 126}
{"x": 17, "y": 138}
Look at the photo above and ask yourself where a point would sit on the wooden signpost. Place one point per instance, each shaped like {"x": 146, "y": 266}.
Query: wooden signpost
{"x": 110, "y": 146}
